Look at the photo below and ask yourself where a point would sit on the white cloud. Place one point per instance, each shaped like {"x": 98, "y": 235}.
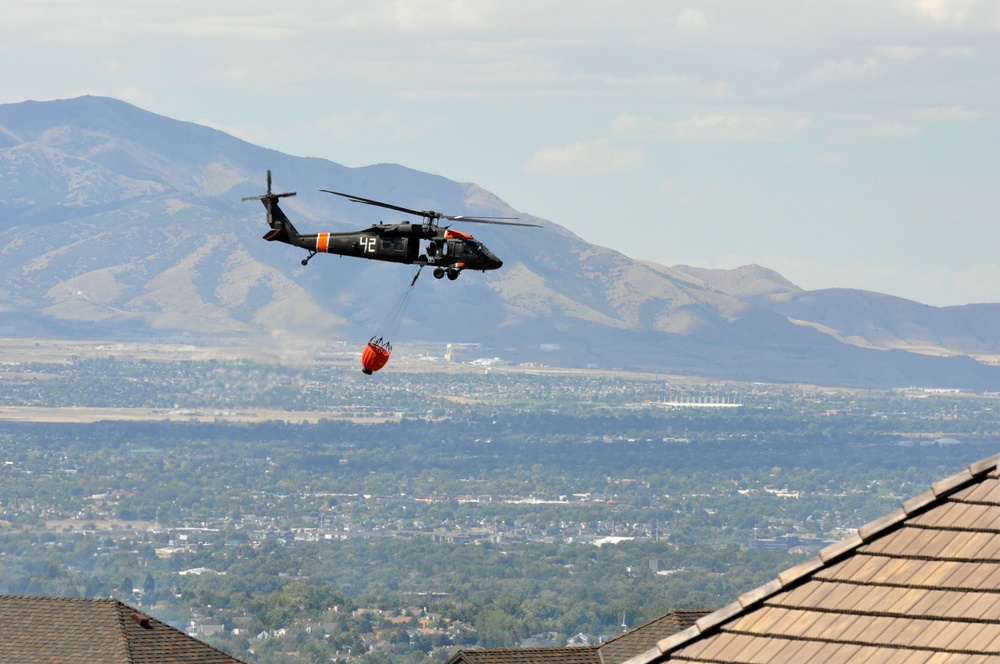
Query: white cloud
{"x": 738, "y": 126}
{"x": 948, "y": 114}
{"x": 724, "y": 127}
{"x": 957, "y": 13}
{"x": 443, "y": 15}
{"x": 471, "y": 88}
{"x": 895, "y": 130}
{"x": 627, "y": 125}
{"x": 835, "y": 71}
{"x": 675, "y": 52}
{"x": 861, "y": 129}
{"x": 900, "y": 52}
{"x": 691, "y": 20}
{"x": 594, "y": 158}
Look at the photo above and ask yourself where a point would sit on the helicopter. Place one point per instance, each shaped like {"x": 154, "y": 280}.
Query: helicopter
{"x": 448, "y": 251}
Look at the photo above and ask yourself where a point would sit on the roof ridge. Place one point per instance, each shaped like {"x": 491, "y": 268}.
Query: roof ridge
{"x": 145, "y": 620}
{"x": 673, "y": 613}
{"x": 125, "y": 643}
{"x": 35, "y": 598}
{"x": 105, "y": 629}
{"x": 533, "y": 648}
{"x": 826, "y": 557}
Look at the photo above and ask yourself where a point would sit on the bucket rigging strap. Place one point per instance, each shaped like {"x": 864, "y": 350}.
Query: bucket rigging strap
{"x": 387, "y": 330}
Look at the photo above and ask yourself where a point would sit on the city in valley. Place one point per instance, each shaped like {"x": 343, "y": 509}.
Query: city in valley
{"x": 286, "y": 505}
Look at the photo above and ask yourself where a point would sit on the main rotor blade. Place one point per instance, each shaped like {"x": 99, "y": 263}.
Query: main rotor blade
{"x": 492, "y": 220}
{"x": 368, "y": 201}
{"x": 431, "y": 214}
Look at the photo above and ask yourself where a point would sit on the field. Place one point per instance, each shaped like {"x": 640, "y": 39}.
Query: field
{"x": 411, "y": 361}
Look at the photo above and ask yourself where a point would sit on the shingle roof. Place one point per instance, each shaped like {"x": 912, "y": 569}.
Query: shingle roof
{"x": 614, "y": 651}
{"x": 643, "y": 637}
{"x": 44, "y": 630}
{"x": 561, "y": 655}
{"x": 921, "y": 584}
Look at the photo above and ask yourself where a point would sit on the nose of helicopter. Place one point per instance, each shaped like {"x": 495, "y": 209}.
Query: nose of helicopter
{"x": 489, "y": 259}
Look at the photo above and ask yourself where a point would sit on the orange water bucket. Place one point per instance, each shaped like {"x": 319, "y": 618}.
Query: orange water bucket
{"x": 373, "y": 358}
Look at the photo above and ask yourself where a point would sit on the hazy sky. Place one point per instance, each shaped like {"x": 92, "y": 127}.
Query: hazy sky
{"x": 843, "y": 143}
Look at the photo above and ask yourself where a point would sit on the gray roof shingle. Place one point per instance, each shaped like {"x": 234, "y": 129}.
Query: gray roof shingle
{"x": 51, "y": 630}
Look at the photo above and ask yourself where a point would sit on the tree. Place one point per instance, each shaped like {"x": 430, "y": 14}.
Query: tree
{"x": 496, "y": 628}
{"x": 149, "y": 589}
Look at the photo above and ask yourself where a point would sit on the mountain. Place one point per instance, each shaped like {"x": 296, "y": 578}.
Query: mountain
{"x": 117, "y": 223}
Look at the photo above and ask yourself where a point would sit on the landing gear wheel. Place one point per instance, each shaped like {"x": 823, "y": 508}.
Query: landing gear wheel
{"x": 453, "y": 274}
{"x": 438, "y": 272}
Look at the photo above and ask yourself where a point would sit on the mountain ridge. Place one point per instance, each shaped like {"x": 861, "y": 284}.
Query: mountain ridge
{"x": 119, "y": 222}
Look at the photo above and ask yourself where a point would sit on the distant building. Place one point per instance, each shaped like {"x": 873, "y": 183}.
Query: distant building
{"x": 57, "y": 630}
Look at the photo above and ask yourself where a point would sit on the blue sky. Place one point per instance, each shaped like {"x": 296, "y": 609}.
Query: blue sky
{"x": 842, "y": 143}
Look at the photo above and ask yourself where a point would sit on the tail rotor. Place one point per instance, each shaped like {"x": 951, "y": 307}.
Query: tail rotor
{"x": 269, "y": 199}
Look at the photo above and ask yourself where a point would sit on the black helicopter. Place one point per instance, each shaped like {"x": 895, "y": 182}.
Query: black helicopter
{"x": 448, "y": 251}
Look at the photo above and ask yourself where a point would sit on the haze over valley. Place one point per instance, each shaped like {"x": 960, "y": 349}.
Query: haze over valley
{"x": 118, "y": 223}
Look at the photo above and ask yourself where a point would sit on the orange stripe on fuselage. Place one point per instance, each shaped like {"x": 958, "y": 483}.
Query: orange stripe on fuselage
{"x": 322, "y": 241}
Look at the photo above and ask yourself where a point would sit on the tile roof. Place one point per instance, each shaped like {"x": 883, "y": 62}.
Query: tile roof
{"x": 614, "y": 651}
{"x": 50, "y": 630}
{"x": 921, "y": 584}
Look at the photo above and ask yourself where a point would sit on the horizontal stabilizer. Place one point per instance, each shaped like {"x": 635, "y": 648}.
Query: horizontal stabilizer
{"x": 276, "y": 234}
